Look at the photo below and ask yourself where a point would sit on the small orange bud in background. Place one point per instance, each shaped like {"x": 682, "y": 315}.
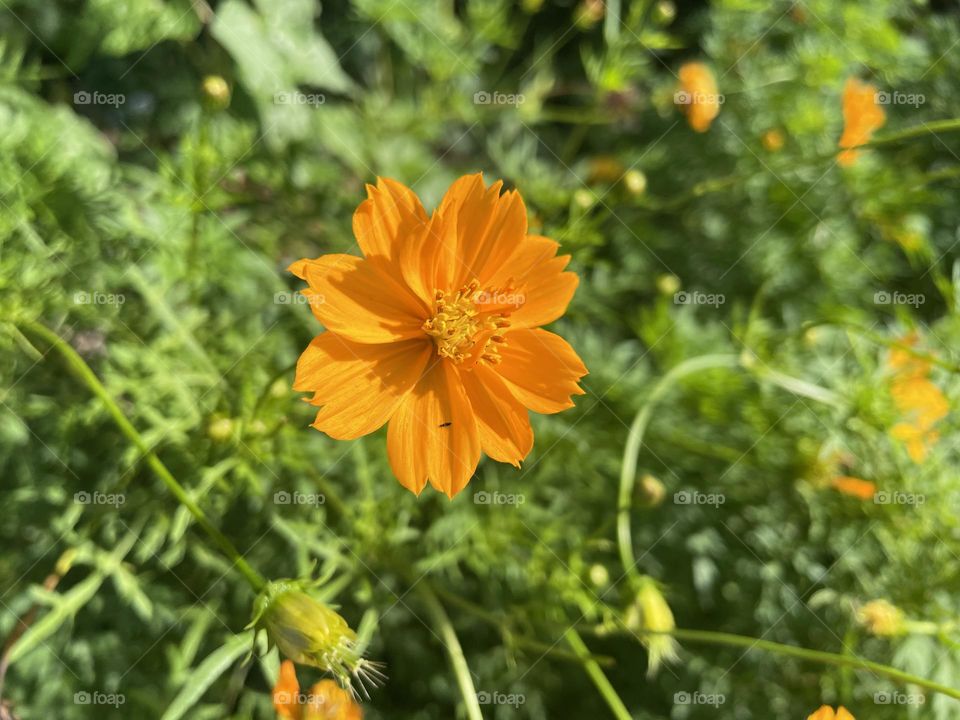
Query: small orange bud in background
{"x": 854, "y": 487}
{"x": 773, "y": 140}
{"x": 861, "y": 117}
{"x": 697, "y": 96}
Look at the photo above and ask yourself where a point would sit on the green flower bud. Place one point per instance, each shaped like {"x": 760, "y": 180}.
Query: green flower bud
{"x": 216, "y": 92}
{"x": 881, "y": 617}
{"x": 635, "y": 181}
{"x": 584, "y": 199}
{"x": 220, "y": 429}
{"x": 668, "y": 284}
{"x": 650, "y": 491}
{"x": 651, "y": 613}
{"x": 599, "y": 575}
{"x": 588, "y": 13}
{"x": 664, "y": 12}
{"x": 308, "y": 632}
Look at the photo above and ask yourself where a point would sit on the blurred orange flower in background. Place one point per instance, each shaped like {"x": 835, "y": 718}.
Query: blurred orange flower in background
{"x": 920, "y": 402}
{"x": 325, "y": 701}
{"x": 854, "y": 487}
{"x": 437, "y": 330}
{"x": 697, "y": 96}
{"x": 861, "y": 117}
{"x": 827, "y": 713}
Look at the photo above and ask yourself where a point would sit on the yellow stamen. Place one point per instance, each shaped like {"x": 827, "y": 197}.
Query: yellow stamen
{"x": 458, "y": 324}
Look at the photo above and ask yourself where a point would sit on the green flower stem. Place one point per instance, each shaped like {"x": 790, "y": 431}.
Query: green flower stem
{"x": 613, "y": 700}
{"x": 817, "y": 656}
{"x": 495, "y": 620}
{"x": 631, "y": 452}
{"x": 454, "y": 651}
{"x": 798, "y": 387}
{"x": 723, "y": 183}
{"x": 930, "y": 128}
{"x": 82, "y": 372}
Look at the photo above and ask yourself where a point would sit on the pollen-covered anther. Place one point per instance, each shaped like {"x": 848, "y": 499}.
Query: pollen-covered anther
{"x": 458, "y": 324}
{"x": 455, "y": 322}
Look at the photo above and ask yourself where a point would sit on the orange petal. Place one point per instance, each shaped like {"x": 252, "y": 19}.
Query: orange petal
{"x": 425, "y": 262}
{"x": 503, "y": 422}
{"x": 299, "y": 267}
{"x": 286, "y": 693}
{"x": 489, "y": 227}
{"x": 855, "y": 487}
{"x": 843, "y": 714}
{"x": 433, "y": 434}
{"x": 529, "y": 255}
{"x": 328, "y": 701}
{"x": 359, "y": 385}
{"x": 546, "y": 292}
{"x": 361, "y": 299}
{"x": 390, "y": 215}
{"x": 541, "y": 370}
{"x": 471, "y": 236}
{"x": 847, "y": 158}
{"x": 534, "y": 281}
{"x": 861, "y": 117}
{"x": 824, "y": 713}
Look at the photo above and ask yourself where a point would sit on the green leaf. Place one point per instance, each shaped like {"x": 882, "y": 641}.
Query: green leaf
{"x": 276, "y": 51}
{"x": 207, "y": 673}
{"x": 68, "y": 606}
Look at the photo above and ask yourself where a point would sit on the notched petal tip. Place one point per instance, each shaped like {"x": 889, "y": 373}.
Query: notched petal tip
{"x": 299, "y": 267}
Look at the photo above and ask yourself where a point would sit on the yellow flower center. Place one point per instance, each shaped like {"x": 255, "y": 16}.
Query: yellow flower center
{"x": 458, "y": 325}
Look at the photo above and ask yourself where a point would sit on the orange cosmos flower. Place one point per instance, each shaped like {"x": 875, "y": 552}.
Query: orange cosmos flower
{"x": 698, "y": 97}
{"x": 827, "y": 713}
{"x": 436, "y": 330}
{"x": 854, "y": 487}
{"x": 861, "y": 116}
{"x": 921, "y": 403}
{"x": 325, "y": 701}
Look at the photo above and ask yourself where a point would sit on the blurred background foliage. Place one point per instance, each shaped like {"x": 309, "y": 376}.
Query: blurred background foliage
{"x": 243, "y": 142}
